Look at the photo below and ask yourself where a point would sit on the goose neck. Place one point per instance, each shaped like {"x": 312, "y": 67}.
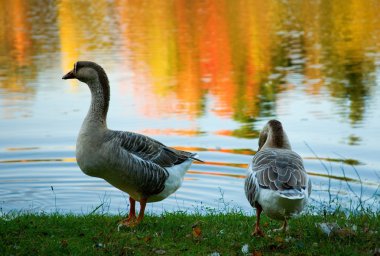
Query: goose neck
{"x": 277, "y": 139}
{"x": 274, "y": 136}
{"x": 99, "y": 103}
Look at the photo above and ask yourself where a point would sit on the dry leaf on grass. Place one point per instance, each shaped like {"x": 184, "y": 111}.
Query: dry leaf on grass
{"x": 147, "y": 239}
{"x": 197, "y": 232}
{"x": 279, "y": 239}
{"x": 64, "y": 243}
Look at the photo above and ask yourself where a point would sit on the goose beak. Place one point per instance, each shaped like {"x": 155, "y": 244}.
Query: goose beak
{"x": 69, "y": 75}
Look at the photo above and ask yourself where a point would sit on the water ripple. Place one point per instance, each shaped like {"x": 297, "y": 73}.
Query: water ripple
{"x": 51, "y": 183}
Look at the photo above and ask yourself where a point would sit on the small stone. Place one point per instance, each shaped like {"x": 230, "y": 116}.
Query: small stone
{"x": 160, "y": 251}
{"x": 245, "y": 249}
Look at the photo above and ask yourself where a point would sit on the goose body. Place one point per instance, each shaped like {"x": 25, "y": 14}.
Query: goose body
{"x": 121, "y": 158}
{"x": 143, "y": 167}
{"x": 276, "y": 181}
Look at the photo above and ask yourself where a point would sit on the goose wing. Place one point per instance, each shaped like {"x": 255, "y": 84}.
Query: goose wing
{"x": 151, "y": 150}
{"x": 251, "y": 187}
{"x": 145, "y": 159}
{"x": 279, "y": 169}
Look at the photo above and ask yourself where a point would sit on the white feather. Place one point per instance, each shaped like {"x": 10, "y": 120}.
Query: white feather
{"x": 280, "y": 205}
{"x": 174, "y": 181}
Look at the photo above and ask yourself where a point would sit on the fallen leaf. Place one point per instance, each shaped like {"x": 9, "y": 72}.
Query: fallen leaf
{"x": 345, "y": 232}
{"x": 197, "y": 232}
{"x": 64, "y": 243}
{"x": 279, "y": 239}
{"x": 257, "y": 253}
{"x": 147, "y": 239}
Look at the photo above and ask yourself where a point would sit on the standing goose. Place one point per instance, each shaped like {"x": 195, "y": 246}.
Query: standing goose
{"x": 144, "y": 168}
{"x": 276, "y": 182}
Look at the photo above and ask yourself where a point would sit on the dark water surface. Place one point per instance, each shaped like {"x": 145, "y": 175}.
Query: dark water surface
{"x": 203, "y": 76}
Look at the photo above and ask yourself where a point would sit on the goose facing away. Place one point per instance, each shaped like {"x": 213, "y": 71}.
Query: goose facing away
{"x": 144, "y": 168}
{"x": 276, "y": 182}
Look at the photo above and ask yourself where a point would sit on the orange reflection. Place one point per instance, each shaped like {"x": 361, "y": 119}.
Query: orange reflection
{"x": 215, "y": 56}
{"x": 15, "y": 46}
{"x": 186, "y": 55}
{"x": 21, "y": 41}
{"x": 218, "y": 174}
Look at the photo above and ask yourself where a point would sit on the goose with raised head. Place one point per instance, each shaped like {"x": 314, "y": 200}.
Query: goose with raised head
{"x": 276, "y": 182}
{"x": 144, "y": 168}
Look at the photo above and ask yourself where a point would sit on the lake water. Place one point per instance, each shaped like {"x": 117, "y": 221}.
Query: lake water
{"x": 203, "y": 76}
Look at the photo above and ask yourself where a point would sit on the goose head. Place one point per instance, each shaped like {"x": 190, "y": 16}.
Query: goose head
{"x": 96, "y": 78}
{"x": 273, "y": 136}
{"x": 86, "y": 71}
{"x": 92, "y": 74}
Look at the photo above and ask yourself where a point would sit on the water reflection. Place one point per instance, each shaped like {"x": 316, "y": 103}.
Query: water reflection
{"x": 55, "y": 182}
{"x": 205, "y": 75}
{"x": 185, "y": 50}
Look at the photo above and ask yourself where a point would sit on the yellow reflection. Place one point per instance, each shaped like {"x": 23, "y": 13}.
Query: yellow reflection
{"x": 240, "y": 151}
{"x": 182, "y": 53}
{"x": 84, "y": 27}
{"x": 67, "y": 160}
{"x": 70, "y": 31}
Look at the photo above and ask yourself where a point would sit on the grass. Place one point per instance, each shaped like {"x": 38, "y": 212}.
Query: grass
{"x": 185, "y": 234}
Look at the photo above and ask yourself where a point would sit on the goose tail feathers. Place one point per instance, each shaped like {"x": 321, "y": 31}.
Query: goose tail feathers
{"x": 292, "y": 194}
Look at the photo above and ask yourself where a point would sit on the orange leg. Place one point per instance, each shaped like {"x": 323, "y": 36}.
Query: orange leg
{"x": 132, "y": 211}
{"x": 131, "y": 221}
{"x": 142, "y": 209}
{"x": 257, "y": 231}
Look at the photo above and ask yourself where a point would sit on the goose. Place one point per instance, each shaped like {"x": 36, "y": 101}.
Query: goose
{"x": 276, "y": 183}
{"x": 134, "y": 163}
